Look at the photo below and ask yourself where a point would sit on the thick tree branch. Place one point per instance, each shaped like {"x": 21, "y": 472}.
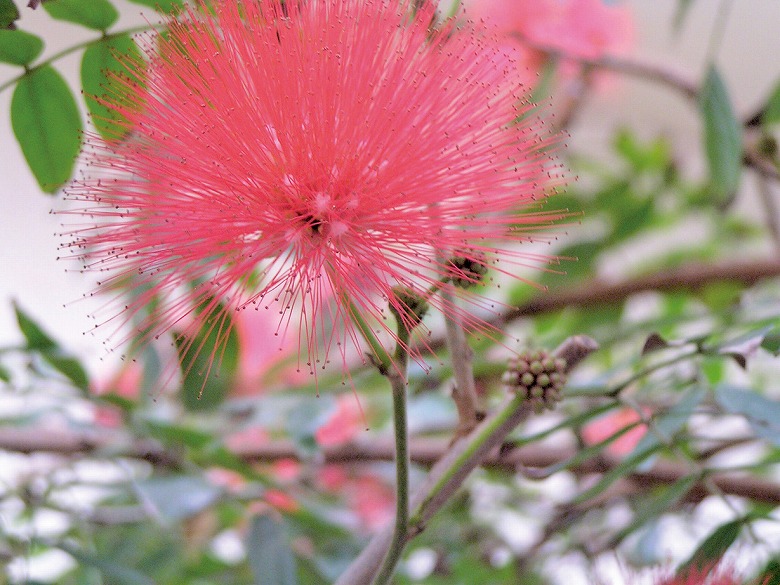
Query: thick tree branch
{"x": 423, "y": 452}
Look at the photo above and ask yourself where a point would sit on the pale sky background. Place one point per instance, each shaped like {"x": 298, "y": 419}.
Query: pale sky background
{"x": 747, "y": 57}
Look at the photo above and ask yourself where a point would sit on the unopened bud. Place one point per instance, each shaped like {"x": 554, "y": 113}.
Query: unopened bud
{"x": 409, "y": 307}
{"x": 537, "y": 376}
{"x": 467, "y": 271}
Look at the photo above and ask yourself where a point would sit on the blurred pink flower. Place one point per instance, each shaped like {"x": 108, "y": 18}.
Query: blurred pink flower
{"x": 125, "y": 383}
{"x": 579, "y": 28}
{"x": 286, "y": 470}
{"x": 602, "y": 428}
{"x": 280, "y": 500}
{"x": 344, "y": 424}
{"x": 332, "y": 477}
{"x": 230, "y": 480}
{"x": 246, "y": 439}
{"x": 370, "y": 498}
{"x": 264, "y": 359}
{"x": 373, "y": 501}
{"x": 301, "y": 154}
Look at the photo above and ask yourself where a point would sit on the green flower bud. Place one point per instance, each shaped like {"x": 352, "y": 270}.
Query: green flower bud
{"x": 466, "y": 272}
{"x": 409, "y": 307}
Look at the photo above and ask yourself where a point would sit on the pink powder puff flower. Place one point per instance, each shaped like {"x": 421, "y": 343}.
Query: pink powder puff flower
{"x": 298, "y": 155}
{"x": 587, "y": 29}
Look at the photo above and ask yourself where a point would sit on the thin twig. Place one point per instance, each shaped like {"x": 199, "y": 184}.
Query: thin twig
{"x": 464, "y": 392}
{"x": 771, "y": 208}
{"x": 687, "y": 277}
{"x": 635, "y": 68}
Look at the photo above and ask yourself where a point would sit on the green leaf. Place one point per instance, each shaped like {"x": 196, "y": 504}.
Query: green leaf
{"x": 18, "y": 47}
{"x": 770, "y": 574}
{"x": 653, "y": 505}
{"x": 269, "y": 553}
{"x": 582, "y": 257}
{"x": 630, "y": 217}
{"x": 712, "y": 549}
{"x": 670, "y": 424}
{"x": 177, "y": 434}
{"x": 8, "y": 13}
{"x": 745, "y": 346}
{"x": 771, "y": 343}
{"x": 302, "y": 423}
{"x": 771, "y": 113}
{"x": 762, "y": 414}
{"x": 651, "y": 156}
{"x": 722, "y": 136}
{"x": 117, "y": 573}
{"x": 179, "y": 497}
{"x": 627, "y": 466}
{"x": 102, "y": 67}
{"x": 683, "y": 6}
{"x": 68, "y": 366}
{"x": 94, "y": 14}
{"x": 47, "y": 125}
{"x": 208, "y": 362}
{"x": 40, "y": 341}
{"x": 164, "y": 6}
{"x": 37, "y": 338}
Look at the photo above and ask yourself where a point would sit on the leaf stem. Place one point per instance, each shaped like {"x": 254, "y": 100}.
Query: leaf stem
{"x": 65, "y": 52}
{"x": 464, "y": 392}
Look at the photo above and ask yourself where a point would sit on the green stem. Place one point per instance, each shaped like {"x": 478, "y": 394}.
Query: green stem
{"x": 397, "y": 378}
{"x": 382, "y": 358}
{"x": 65, "y": 52}
{"x": 476, "y": 443}
{"x": 650, "y": 369}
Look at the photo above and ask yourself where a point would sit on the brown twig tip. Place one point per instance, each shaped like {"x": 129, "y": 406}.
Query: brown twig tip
{"x": 575, "y": 349}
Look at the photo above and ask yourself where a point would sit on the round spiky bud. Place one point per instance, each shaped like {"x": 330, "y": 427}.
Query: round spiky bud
{"x": 408, "y": 306}
{"x": 467, "y": 271}
{"x": 537, "y": 376}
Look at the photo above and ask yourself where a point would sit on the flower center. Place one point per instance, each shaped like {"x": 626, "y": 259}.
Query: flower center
{"x": 315, "y": 224}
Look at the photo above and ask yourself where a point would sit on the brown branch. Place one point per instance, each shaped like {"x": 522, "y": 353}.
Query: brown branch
{"x": 594, "y": 293}
{"x": 687, "y": 277}
{"x": 424, "y": 452}
{"x": 648, "y": 71}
